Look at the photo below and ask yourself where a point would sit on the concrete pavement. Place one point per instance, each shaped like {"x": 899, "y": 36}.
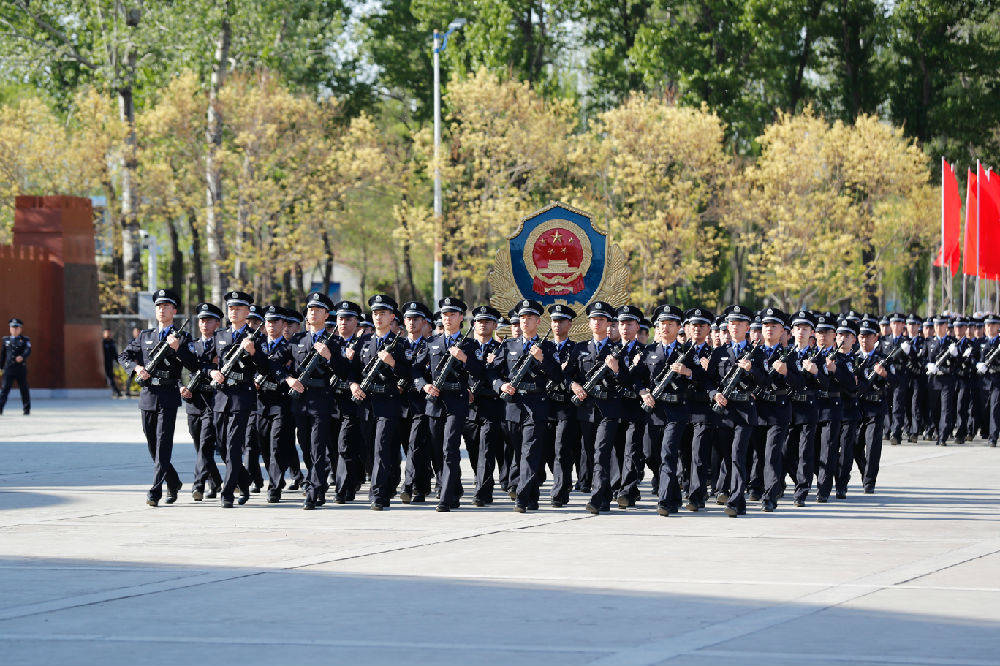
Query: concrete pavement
{"x": 90, "y": 575}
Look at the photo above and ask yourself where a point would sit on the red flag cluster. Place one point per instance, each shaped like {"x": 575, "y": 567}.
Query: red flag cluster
{"x": 981, "y": 243}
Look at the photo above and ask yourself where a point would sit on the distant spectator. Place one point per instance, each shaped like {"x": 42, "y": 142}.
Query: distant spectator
{"x": 110, "y": 358}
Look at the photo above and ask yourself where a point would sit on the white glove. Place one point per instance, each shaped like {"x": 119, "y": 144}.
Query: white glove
{"x": 905, "y": 346}
{"x": 968, "y": 353}
{"x": 981, "y": 367}
{"x": 931, "y": 369}
{"x": 953, "y": 350}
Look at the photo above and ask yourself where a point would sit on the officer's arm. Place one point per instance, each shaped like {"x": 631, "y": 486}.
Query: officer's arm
{"x": 129, "y": 358}
{"x": 187, "y": 357}
{"x": 496, "y": 372}
{"x": 280, "y": 363}
{"x": 27, "y": 349}
{"x": 758, "y": 370}
{"x": 420, "y": 369}
{"x": 794, "y": 378}
{"x": 550, "y": 366}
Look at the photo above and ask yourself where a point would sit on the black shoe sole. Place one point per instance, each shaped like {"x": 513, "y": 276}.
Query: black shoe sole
{"x": 593, "y": 509}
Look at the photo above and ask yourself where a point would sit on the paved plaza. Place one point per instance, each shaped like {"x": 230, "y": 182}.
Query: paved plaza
{"x": 90, "y": 575}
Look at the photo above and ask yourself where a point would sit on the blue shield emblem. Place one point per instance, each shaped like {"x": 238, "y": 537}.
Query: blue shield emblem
{"x": 558, "y": 255}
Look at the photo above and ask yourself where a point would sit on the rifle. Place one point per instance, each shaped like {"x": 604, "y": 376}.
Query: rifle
{"x": 238, "y": 355}
{"x": 735, "y": 377}
{"x": 200, "y": 379}
{"x": 447, "y": 365}
{"x": 668, "y": 376}
{"x": 991, "y": 359}
{"x": 784, "y": 358}
{"x": 521, "y": 368}
{"x": 373, "y": 367}
{"x": 872, "y": 377}
{"x": 336, "y": 383}
{"x": 597, "y": 373}
{"x": 941, "y": 358}
{"x": 310, "y": 365}
{"x": 160, "y": 352}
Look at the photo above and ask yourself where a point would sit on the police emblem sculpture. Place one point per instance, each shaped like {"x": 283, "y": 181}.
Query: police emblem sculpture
{"x": 557, "y": 256}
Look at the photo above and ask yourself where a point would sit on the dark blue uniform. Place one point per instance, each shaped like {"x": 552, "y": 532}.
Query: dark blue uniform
{"x": 989, "y": 371}
{"x": 448, "y": 412}
{"x": 350, "y": 431}
{"x": 563, "y": 432}
{"x": 872, "y": 396}
{"x": 14, "y": 370}
{"x": 386, "y": 402}
{"x": 234, "y": 406}
{"x": 415, "y": 436}
{"x": 737, "y": 422}
{"x": 483, "y": 426}
{"x": 273, "y": 413}
{"x": 158, "y": 403}
{"x": 830, "y": 404}
{"x": 526, "y": 414}
{"x": 312, "y": 413}
{"x": 800, "y": 448}
{"x": 601, "y": 413}
{"x": 944, "y": 382}
{"x": 201, "y": 420}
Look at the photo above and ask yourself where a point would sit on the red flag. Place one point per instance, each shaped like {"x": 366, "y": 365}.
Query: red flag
{"x": 971, "y": 266}
{"x": 951, "y": 217}
{"x": 989, "y": 224}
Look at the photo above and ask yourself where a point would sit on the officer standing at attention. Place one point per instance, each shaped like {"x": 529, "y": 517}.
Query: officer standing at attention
{"x": 16, "y": 349}
{"x": 563, "y": 427}
{"x": 600, "y": 411}
{"x": 383, "y": 396}
{"x": 110, "y": 350}
{"x": 313, "y": 406}
{"x": 199, "y": 405}
{"x": 528, "y": 405}
{"x": 273, "y": 411}
{"x": 235, "y": 398}
{"x": 448, "y": 402}
{"x": 159, "y": 397}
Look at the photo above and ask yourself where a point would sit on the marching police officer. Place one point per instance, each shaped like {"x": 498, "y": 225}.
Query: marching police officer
{"x": 899, "y": 398}
{"x": 350, "y": 434}
{"x": 235, "y": 398}
{"x": 521, "y": 370}
{"x": 13, "y": 354}
{"x": 874, "y": 380}
{"x": 988, "y": 367}
{"x": 918, "y": 380}
{"x": 596, "y": 373}
{"x": 199, "y": 399}
{"x": 830, "y": 402}
{"x": 847, "y": 336}
{"x": 700, "y": 433}
{"x": 448, "y": 393}
{"x": 633, "y": 427}
{"x": 313, "y": 406}
{"x": 563, "y": 427}
{"x": 669, "y": 414}
{"x": 414, "y": 430}
{"x": 273, "y": 411}
{"x": 943, "y": 363}
{"x": 484, "y": 424}
{"x": 160, "y": 397}
{"x": 383, "y": 369}
{"x": 734, "y": 402}
{"x": 799, "y": 459}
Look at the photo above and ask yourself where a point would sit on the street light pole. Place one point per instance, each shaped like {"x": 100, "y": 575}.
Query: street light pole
{"x": 440, "y": 42}
{"x": 438, "y": 252}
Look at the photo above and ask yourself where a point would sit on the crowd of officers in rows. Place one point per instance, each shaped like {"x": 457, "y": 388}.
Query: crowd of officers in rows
{"x": 736, "y": 408}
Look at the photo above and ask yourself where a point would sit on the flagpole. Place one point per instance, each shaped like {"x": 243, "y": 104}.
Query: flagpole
{"x": 944, "y": 259}
{"x": 978, "y": 225}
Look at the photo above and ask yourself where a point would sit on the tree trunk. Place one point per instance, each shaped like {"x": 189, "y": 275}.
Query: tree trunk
{"x": 327, "y": 262}
{"x": 176, "y": 258}
{"x": 296, "y": 292}
{"x": 214, "y": 241}
{"x": 199, "y": 276}
{"x": 131, "y": 243}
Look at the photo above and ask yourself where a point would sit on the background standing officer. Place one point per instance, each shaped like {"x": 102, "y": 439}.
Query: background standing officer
{"x": 110, "y": 350}
{"x": 16, "y": 349}
{"x": 160, "y": 396}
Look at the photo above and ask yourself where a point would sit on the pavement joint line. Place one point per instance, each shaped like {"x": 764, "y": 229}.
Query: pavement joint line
{"x": 314, "y": 642}
{"x": 846, "y": 658}
{"x": 692, "y": 642}
{"x": 205, "y": 578}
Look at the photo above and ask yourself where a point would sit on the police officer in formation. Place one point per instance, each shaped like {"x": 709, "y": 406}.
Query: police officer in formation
{"x": 747, "y": 405}
{"x": 15, "y": 351}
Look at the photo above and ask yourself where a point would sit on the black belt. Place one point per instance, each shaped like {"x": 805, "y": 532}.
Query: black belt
{"x": 529, "y": 387}
{"x": 801, "y": 397}
{"x": 162, "y": 374}
{"x": 670, "y": 398}
{"x": 740, "y": 396}
{"x": 827, "y": 394}
{"x": 773, "y": 396}
{"x": 162, "y": 381}
{"x": 872, "y": 397}
{"x": 314, "y": 383}
{"x": 456, "y": 387}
